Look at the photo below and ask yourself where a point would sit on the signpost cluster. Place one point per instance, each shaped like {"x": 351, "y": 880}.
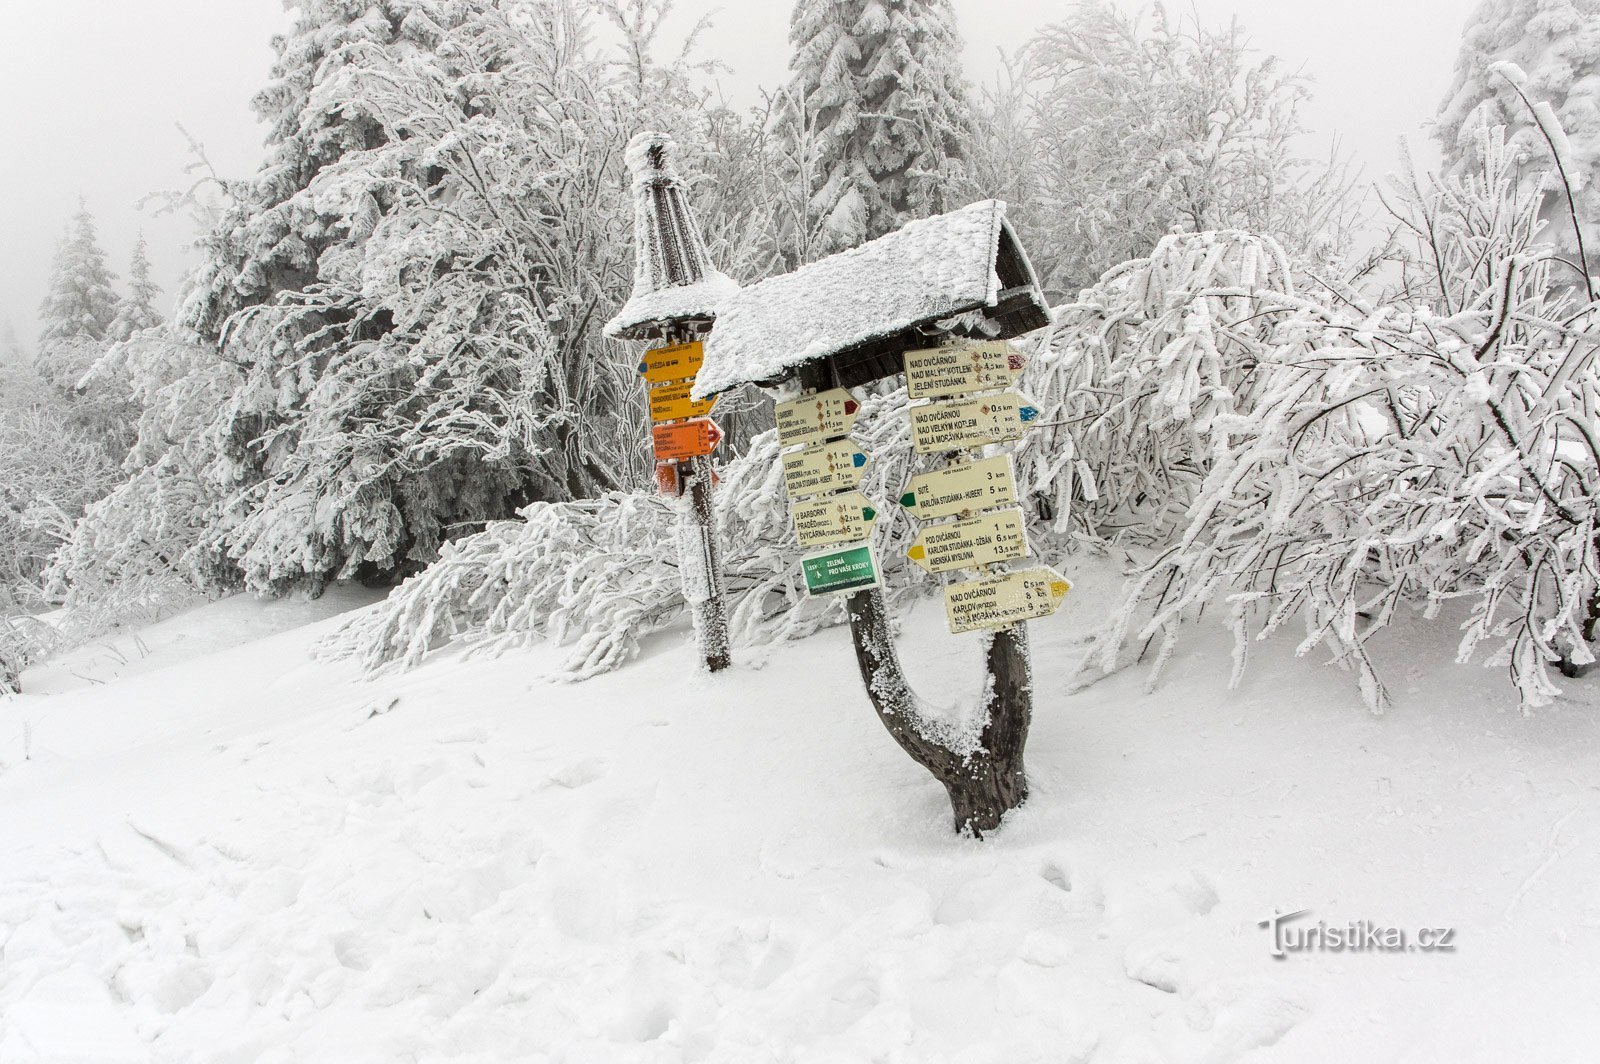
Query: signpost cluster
{"x": 968, "y": 510}
{"x": 683, "y": 437}
{"x": 822, "y": 470}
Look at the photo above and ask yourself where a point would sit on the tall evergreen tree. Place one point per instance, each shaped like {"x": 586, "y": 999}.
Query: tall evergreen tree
{"x": 11, "y": 350}
{"x": 79, "y": 305}
{"x": 1556, "y": 44}
{"x": 877, "y": 96}
{"x": 138, "y": 310}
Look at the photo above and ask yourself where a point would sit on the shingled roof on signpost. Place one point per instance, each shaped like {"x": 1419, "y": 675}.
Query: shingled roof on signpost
{"x": 864, "y": 307}
{"x": 673, "y": 280}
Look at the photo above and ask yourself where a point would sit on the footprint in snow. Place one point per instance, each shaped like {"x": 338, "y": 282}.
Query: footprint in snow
{"x": 578, "y": 773}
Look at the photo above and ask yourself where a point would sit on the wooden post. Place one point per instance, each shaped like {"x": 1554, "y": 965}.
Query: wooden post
{"x": 987, "y": 783}
{"x": 711, "y": 614}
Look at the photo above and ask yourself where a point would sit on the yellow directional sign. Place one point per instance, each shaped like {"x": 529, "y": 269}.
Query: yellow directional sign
{"x": 962, "y": 487}
{"x": 671, "y": 402}
{"x": 813, "y": 418}
{"x": 991, "y": 537}
{"x": 997, "y": 601}
{"x": 950, "y": 424}
{"x": 833, "y": 519}
{"x": 961, "y": 368}
{"x": 676, "y": 363}
{"x": 823, "y": 467}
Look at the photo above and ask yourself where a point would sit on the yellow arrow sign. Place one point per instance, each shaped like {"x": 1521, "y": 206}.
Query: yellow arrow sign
{"x": 961, "y": 368}
{"x": 833, "y": 519}
{"x": 991, "y": 537}
{"x": 671, "y": 402}
{"x": 813, "y": 418}
{"x": 950, "y": 424}
{"x": 996, "y": 601}
{"x": 675, "y": 363}
{"x": 962, "y": 487}
{"x": 823, "y": 467}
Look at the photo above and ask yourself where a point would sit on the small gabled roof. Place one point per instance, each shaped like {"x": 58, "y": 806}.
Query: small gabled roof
{"x": 673, "y": 279}
{"x": 868, "y": 298}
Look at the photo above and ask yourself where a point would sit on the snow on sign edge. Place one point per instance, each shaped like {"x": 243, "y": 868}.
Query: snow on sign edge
{"x": 934, "y": 267}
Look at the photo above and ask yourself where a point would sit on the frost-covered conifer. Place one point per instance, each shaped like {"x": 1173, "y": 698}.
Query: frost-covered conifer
{"x": 138, "y": 310}
{"x": 79, "y": 305}
{"x": 1555, "y": 46}
{"x": 877, "y": 97}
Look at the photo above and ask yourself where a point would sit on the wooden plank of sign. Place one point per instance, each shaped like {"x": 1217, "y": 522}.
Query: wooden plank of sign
{"x": 962, "y": 487}
{"x": 1003, "y": 599}
{"x": 992, "y": 537}
{"x": 686, "y": 439}
{"x": 961, "y": 368}
{"x": 814, "y": 418}
{"x": 953, "y": 424}
{"x": 675, "y": 363}
{"x": 839, "y": 570}
{"x": 823, "y": 467}
{"x": 671, "y": 402}
{"x": 833, "y": 519}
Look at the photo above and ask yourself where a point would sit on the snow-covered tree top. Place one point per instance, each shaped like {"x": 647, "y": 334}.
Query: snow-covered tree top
{"x": 926, "y": 271}
{"x": 673, "y": 278}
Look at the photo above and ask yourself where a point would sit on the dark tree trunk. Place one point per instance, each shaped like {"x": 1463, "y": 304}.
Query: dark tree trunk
{"x": 985, "y": 785}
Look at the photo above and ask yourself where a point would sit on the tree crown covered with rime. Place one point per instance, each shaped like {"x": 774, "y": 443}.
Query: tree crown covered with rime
{"x": 879, "y": 101}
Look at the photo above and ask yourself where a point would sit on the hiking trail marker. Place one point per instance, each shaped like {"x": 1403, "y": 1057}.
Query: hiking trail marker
{"x": 983, "y": 540}
{"x": 960, "y": 488}
{"x": 830, "y": 466}
{"x": 956, "y": 424}
{"x": 840, "y": 570}
{"x": 813, "y": 418}
{"x": 675, "y": 362}
{"x": 683, "y": 440}
{"x": 962, "y": 369}
{"x": 1002, "y": 599}
{"x": 831, "y": 519}
{"x": 671, "y": 402}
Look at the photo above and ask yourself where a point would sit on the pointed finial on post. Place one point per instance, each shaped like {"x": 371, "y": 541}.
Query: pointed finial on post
{"x": 674, "y": 281}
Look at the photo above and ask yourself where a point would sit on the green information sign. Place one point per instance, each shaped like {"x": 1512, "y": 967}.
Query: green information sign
{"x": 850, "y": 567}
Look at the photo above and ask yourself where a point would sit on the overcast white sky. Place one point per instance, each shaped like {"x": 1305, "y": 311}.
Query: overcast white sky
{"x": 91, "y": 92}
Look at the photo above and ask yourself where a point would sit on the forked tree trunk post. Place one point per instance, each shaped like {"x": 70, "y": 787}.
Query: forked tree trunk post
{"x": 983, "y": 784}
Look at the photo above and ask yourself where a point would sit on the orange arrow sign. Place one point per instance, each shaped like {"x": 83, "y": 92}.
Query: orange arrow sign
{"x": 686, "y": 439}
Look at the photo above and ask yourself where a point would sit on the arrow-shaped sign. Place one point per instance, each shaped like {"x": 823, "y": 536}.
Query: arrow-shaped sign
{"x": 833, "y": 519}
{"x": 950, "y": 424}
{"x": 961, "y": 368}
{"x": 675, "y": 363}
{"x": 981, "y": 540}
{"x": 671, "y": 402}
{"x": 962, "y": 487}
{"x": 1004, "y": 599}
{"x": 813, "y": 418}
{"x": 823, "y": 467}
{"x": 686, "y": 439}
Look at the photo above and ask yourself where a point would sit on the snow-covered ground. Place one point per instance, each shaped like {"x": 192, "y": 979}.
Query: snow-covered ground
{"x": 215, "y": 848}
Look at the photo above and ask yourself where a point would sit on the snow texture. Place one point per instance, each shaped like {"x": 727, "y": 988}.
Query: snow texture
{"x": 673, "y": 279}
{"x": 928, "y": 270}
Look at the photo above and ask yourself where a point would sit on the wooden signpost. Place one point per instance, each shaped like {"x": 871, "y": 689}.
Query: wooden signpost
{"x": 1003, "y": 599}
{"x": 961, "y": 369}
{"x": 813, "y": 418}
{"x": 969, "y": 543}
{"x": 962, "y": 488}
{"x": 831, "y": 466}
{"x": 953, "y": 424}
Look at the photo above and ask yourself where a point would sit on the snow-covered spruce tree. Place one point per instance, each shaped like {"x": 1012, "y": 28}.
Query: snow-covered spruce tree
{"x": 1407, "y": 451}
{"x": 78, "y": 306}
{"x": 877, "y": 96}
{"x": 1556, "y": 43}
{"x": 1135, "y": 131}
{"x": 137, "y": 311}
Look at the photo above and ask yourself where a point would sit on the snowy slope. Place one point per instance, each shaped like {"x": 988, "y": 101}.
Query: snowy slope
{"x": 248, "y": 856}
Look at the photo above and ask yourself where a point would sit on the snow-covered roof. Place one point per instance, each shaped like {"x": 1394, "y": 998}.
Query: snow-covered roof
{"x": 673, "y": 278}
{"x": 926, "y": 271}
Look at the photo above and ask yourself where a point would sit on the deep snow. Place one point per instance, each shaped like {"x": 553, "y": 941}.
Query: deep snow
{"x": 218, "y": 849}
